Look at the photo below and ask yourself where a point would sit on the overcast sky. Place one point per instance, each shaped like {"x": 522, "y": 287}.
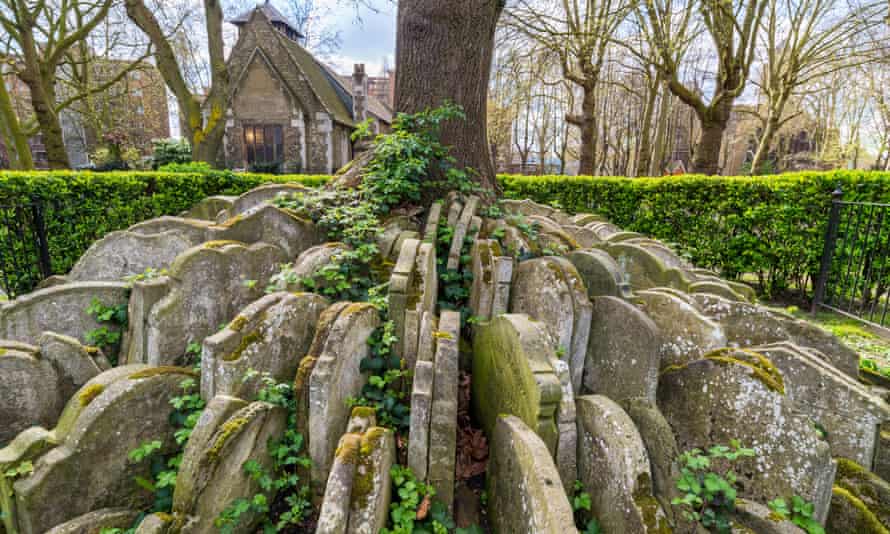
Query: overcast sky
{"x": 370, "y": 40}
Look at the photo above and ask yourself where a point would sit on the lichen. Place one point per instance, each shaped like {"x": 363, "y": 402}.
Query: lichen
{"x": 246, "y": 341}
{"x": 865, "y": 486}
{"x": 348, "y": 449}
{"x": 363, "y": 483}
{"x": 238, "y": 323}
{"x": 762, "y": 368}
{"x": 356, "y": 307}
{"x": 220, "y": 243}
{"x": 229, "y": 429}
{"x": 231, "y": 222}
{"x": 301, "y": 381}
{"x": 3, "y": 352}
{"x": 162, "y": 370}
{"x": 364, "y": 412}
{"x": 438, "y": 334}
{"x": 649, "y": 507}
{"x": 89, "y": 393}
{"x": 856, "y": 516}
{"x": 91, "y": 350}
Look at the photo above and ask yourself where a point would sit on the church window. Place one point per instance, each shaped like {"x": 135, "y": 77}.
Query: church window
{"x": 264, "y": 143}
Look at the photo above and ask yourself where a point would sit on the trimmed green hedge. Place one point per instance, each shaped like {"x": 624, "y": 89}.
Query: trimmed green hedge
{"x": 771, "y": 226}
{"x": 79, "y": 207}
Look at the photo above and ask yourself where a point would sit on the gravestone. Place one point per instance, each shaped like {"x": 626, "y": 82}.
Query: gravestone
{"x": 421, "y": 412}
{"x": 686, "y": 334}
{"x": 461, "y": 229}
{"x": 267, "y": 337}
{"x": 623, "y": 354}
{"x": 404, "y": 290}
{"x": 601, "y": 274}
{"x": 98, "y": 521}
{"x": 111, "y": 415}
{"x": 844, "y": 408}
{"x": 209, "y": 208}
{"x": 307, "y": 265}
{"x": 748, "y": 325}
{"x": 524, "y": 489}
{"x": 443, "y": 417}
{"x": 268, "y": 224}
{"x": 512, "y": 375}
{"x": 731, "y": 394}
{"x": 38, "y": 381}
{"x": 208, "y": 286}
{"x": 61, "y": 309}
{"x": 214, "y": 476}
{"x": 550, "y": 290}
{"x": 335, "y": 378}
{"x": 122, "y": 254}
{"x": 614, "y": 469}
{"x": 261, "y": 196}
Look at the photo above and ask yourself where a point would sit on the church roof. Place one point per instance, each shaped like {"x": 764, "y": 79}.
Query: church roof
{"x": 271, "y": 13}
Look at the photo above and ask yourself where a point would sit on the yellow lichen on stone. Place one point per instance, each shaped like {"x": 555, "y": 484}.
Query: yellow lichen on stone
{"x": 761, "y": 366}
{"x": 89, "y": 393}
{"x": 438, "y": 334}
{"x": 232, "y": 221}
{"x": 864, "y": 522}
{"x": 91, "y": 350}
{"x": 363, "y": 412}
{"x": 307, "y": 364}
{"x": 3, "y": 352}
{"x": 221, "y": 243}
{"x": 162, "y": 370}
{"x": 348, "y": 449}
{"x": 238, "y": 323}
{"x": 649, "y": 507}
{"x": 356, "y": 307}
{"x": 246, "y": 341}
{"x": 225, "y": 433}
{"x": 363, "y": 483}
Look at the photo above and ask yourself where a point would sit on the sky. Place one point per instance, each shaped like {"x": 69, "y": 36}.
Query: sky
{"x": 369, "y": 38}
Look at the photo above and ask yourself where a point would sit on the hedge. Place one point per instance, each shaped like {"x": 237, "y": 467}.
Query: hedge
{"x": 771, "y": 226}
{"x": 79, "y": 207}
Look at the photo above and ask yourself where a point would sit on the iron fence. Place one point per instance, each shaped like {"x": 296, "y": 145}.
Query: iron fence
{"x": 40, "y": 238}
{"x": 854, "y": 276}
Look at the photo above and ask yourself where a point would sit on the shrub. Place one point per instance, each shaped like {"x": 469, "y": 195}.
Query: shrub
{"x": 168, "y": 151}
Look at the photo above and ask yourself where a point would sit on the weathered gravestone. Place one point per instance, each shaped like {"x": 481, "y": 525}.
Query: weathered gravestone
{"x": 267, "y": 337}
{"x": 492, "y": 278}
{"x": 111, "y": 415}
{"x": 861, "y": 485}
{"x": 601, "y": 274}
{"x": 748, "y": 325}
{"x": 259, "y": 197}
{"x": 623, "y": 357}
{"x": 525, "y": 493}
{"x": 732, "y": 394}
{"x": 443, "y": 416}
{"x": 393, "y": 228}
{"x": 97, "y": 522}
{"x": 212, "y": 476}
{"x": 686, "y": 334}
{"x": 550, "y": 290}
{"x": 206, "y": 287}
{"x": 61, "y": 309}
{"x": 462, "y": 228}
{"x": 358, "y": 491}
{"x": 209, "y": 208}
{"x": 421, "y": 412}
{"x": 335, "y": 378}
{"x": 122, "y": 254}
{"x": 512, "y": 375}
{"x": 614, "y": 468}
{"x": 307, "y": 266}
{"x": 528, "y": 208}
{"x": 844, "y": 408}
{"x": 271, "y": 225}
{"x": 37, "y": 381}
{"x": 754, "y": 518}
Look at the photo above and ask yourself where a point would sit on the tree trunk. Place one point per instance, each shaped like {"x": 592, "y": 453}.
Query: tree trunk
{"x": 661, "y": 129}
{"x": 11, "y": 133}
{"x": 586, "y": 122}
{"x": 766, "y": 140}
{"x": 707, "y": 149}
{"x": 48, "y": 120}
{"x": 443, "y": 53}
{"x": 645, "y": 153}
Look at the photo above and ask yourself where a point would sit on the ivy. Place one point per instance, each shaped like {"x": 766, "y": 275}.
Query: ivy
{"x": 581, "y": 505}
{"x": 103, "y": 336}
{"x": 708, "y": 497}
{"x": 384, "y": 391}
{"x": 413, "y": 511}
{"x": 800, "y": 513}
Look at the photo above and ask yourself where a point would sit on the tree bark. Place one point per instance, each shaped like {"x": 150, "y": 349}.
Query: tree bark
{"x": 11, "y": 133}
{"x": 443, "y": 53}
{"x": 586, "y": 122}
{"x": 707, "y": 149}
{"x": 645, "y": 153}
{"x": 656, "y": 166}
{"x": 42, "y": 101}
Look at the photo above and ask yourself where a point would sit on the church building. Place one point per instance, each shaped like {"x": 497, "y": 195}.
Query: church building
{"x": 287, "y": 110}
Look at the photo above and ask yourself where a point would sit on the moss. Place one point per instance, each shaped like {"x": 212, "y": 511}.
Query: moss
{"x": 232, "y": 222}
{"x": 364, "y": 412}
{"x": 850, "y": 514}
{"x": 653, "y": 516}
{"x": 238, "y": 323}
{"x": 218, "y": 244}
{"x": 356, "y": 307}
{"x": 438, "y": 334}
{"x": 91, "y": 350}
{"x": 164, "y": 517}
{"x": 89, "y": 393}
{"x": 228, "y": 430}
{"x": 3, "y": 352}
{"x": 363, "y": 483}
{"x": 348, "y": 449}
{"x": 762, "y": 368}
{"x": 865, "y": 486}
{"x": 162, "y": 370}
{"x": 301, "y": 380}
{"x": 246, "y": 341}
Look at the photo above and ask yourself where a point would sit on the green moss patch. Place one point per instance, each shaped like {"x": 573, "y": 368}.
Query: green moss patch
{"x": 86, "y": 396}
{"x": 761, "y": 366}
{"x": 162, "y": 370}
{"x": 246, "y": 341}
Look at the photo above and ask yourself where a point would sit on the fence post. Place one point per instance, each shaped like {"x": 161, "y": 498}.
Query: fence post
{"x": 834, "y": 220}
{"x": 44, "y": 260}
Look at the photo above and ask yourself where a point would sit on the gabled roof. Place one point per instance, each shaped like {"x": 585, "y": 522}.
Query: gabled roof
{"x": 375, "y": 106}
{"x": 271, "y": 13}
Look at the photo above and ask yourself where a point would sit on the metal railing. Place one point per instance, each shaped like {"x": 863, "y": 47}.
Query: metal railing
{"x": 854, "y": 275}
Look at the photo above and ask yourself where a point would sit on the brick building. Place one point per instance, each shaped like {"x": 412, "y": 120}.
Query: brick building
{"x": 286, "y": 108}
